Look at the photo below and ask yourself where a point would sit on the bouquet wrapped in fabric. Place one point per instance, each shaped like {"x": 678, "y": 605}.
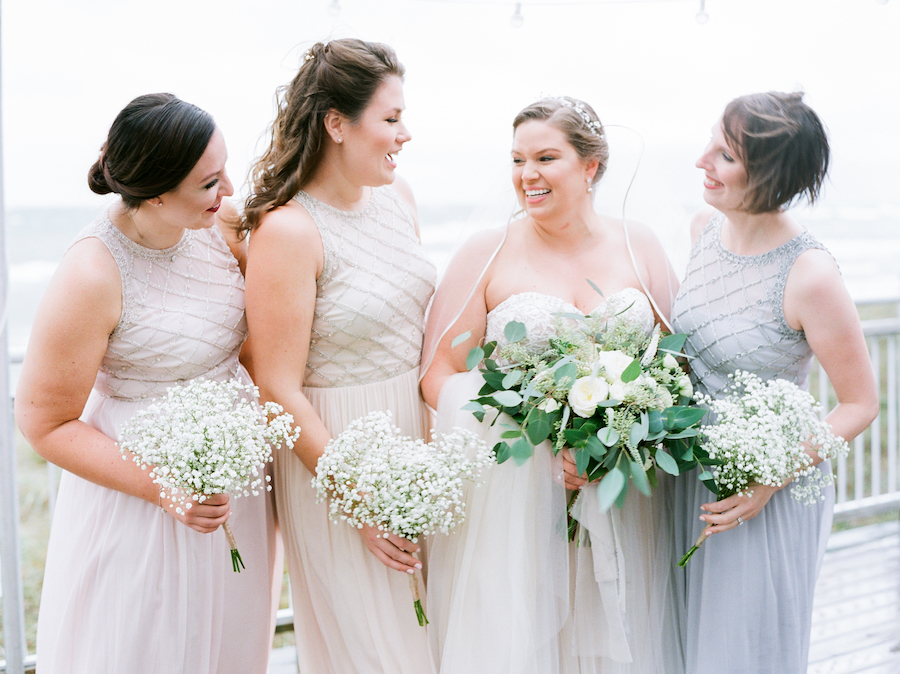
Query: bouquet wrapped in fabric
{"x": 375, "y": 476}
{"x": 615, "y": 395}
{"x": 204, "y": 438}
{"x": 762, "y": 433}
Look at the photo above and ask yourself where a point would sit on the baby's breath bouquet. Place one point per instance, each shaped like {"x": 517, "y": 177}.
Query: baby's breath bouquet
{"x": 206, "y": 437}
{"x": 375, "y": 476}
{"x": 614, "y": 394}
{"x": 761, "y": 434}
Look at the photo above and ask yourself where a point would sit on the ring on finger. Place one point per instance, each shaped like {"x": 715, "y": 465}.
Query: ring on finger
{"x": 740, "y": 520}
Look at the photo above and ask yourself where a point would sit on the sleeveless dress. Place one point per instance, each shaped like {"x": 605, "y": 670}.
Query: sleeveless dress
{"x": 352, "y": 614}
{"x": 507, "y": 591}
{"x": 744, "y": 601}
{"x": 127, "y": 588}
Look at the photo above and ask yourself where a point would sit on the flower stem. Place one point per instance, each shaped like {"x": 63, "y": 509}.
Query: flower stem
{"x": 417, "y": 603}
{"x": 690, "y": 553}
{"x": 236, "y": 562}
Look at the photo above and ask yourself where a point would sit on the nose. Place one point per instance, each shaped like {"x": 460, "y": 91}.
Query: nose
{"x": 226, "y": 189}
{"x": 404, "y": 136}
{"x": 704, "y": 161}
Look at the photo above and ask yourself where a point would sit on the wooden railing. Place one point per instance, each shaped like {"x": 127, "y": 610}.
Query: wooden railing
{"x": 868, "y": 482}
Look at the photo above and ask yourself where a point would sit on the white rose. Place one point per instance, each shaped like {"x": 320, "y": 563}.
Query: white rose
{"x": 586, "y": 393}
{"x": 548, "y": 405}
{"x": 618, "y": 390}
{"x": 614, "y": 364}
{"x": 670, "y": 362}
{"x": 685, "y": 387}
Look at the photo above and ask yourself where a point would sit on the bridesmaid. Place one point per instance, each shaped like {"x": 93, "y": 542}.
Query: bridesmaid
{"x": 337, "y": 285}
{"x": 763, "y": 295}
{"x": 150, "y": 294}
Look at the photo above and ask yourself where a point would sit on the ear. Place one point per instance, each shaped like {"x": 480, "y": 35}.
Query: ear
{"x": 155, "y": 201}
{"x": 590, "y": 169}
{"x": 334, "y": 125}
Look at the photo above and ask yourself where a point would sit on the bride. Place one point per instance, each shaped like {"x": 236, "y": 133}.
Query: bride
{"x": 507, "y": 592}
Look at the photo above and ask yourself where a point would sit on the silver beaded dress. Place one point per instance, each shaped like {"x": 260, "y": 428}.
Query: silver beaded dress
{"x": 127, "y": 588}
{"x": 744, "y": 601}
{"x": 352, "y": 614}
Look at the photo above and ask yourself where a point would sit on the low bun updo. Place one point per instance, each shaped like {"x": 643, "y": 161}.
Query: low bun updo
{"x": 152, "y": 146}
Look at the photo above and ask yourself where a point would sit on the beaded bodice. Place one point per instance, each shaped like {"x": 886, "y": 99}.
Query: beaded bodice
{"x": 539, "y": 313}
{"x": 182, "y": 313}
{"x": 731, "y": 308}
{"x": 372, "y": 293}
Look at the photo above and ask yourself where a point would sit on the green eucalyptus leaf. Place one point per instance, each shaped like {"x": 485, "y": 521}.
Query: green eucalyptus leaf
{"x": 632, "y": 372}
{"x": 686, "y": 433}
{"x": 569, "y": 370}
{"x": 476, "y": 355}
{"x": 539, "y": 429}
{"x": 683, "y": 417}
{"x": 593, "y": 285}
{"x": 459, "y": 339}
{"x": 510, "y": 435}
{"x": 502, "y": 451}
{"x": 636, "y": 434}
{"x": 512, "y": 378}
{"x": 665, "y": 461}
{"x": 521, "y": 451}
{"x": 582, "y": 458}
{"x": 608, "y": 436}
{"x": 596, "y": 448}
{"x": 507, "y": 398}
{"x": 640, "y": 478}
{"x": 673, "y": 343}
{"x": 610, "y": 487}
{"x": 514, "y": 332}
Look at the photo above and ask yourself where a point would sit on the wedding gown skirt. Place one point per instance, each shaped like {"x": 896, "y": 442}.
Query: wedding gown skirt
{"x": 509, "y": 593}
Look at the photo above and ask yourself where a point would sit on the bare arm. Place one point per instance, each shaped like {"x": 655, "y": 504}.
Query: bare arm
{"x": 816, "y": 301}
{"x": 284, "y": 261}
{"x": 69, "y": 338}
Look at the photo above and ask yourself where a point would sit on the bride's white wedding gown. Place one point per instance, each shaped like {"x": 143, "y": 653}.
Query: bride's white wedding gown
{"x": 507, "y": 591}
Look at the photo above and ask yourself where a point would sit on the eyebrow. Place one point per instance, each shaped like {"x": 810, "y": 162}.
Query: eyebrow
{"x": 546, "y": 149}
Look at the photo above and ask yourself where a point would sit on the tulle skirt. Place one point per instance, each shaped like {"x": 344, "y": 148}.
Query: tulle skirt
{"x": 127, "y": 588}
{"x": 509, "y": 593}
{"x": 744, "y": 601}
{"x": 352, "y": 614}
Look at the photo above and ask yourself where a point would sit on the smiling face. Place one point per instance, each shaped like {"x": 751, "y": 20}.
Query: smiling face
{"x": 549, "y": 177}
{"x": 372, "y": 142}
{"x": 193, "y": 204}
{"x": 725, "y": 181}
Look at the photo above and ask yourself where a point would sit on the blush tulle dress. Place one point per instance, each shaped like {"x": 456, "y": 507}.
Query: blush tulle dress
{"x": 127, "y": 588}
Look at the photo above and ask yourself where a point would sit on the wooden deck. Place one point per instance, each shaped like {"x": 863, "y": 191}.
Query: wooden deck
{"x": 856, "y": 616}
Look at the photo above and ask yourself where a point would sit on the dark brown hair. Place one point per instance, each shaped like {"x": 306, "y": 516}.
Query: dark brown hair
{"x": 578, "y": 121}
{"x": 783, "y": 146}
{"x": 342, "y": 75}
{"x": 152, "y": 146}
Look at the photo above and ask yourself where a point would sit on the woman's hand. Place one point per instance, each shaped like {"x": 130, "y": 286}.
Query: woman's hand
{"x": 569, "y": 474}
{"x": 204, "y": 517}
{"x": 392, "y": 551}
{"x": 735, "y": 510}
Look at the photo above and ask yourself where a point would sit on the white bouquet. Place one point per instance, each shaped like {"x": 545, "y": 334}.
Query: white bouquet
{"x": 375, "y": 476}
{"x": 207, "y": 437}
{"x": 763, "y": 434}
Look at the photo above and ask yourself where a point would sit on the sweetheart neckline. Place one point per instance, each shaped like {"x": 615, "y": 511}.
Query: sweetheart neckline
{"x": 603, "y": 300}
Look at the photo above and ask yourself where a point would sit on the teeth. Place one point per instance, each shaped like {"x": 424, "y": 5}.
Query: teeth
{"x": 536, "y": 193}
{"x": 712, "y": 183}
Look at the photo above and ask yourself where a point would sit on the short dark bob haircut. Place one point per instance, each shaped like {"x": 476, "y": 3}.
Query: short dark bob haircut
{"x": 783, "y": 146}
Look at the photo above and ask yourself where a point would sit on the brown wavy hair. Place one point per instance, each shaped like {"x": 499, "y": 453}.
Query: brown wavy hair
{"x": 341, "y": 75}
{"x": 783, "y": 146}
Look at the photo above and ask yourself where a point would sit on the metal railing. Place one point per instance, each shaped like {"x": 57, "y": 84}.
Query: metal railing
{"x": 868, "y": 482}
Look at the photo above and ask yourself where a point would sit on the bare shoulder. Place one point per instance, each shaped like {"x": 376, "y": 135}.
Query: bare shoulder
{"x": 814, "y": 273}
{"x": 228, "y": 220}
{"x": 87, "y": 283}
{"x": 287, "y": 237}
{"x": 699, "y": 222}
{"x": 404, "y": 191}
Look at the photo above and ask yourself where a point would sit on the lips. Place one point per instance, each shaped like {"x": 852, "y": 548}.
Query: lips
{"x": 390, "y": 159}
{"x": 709, "y": 183}
{"x": 214, "y": 208}
{"x": 536, "y": 193}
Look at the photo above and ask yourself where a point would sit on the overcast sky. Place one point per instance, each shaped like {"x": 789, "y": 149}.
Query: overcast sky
{"x": 70, "y": 65}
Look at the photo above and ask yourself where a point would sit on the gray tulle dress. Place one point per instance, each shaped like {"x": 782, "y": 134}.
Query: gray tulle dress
{"x": 744, "y": 601}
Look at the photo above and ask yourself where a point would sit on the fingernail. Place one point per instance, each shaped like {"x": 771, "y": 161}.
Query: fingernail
{"x": 418, "y": 566}
{"x": 410, "y": 571}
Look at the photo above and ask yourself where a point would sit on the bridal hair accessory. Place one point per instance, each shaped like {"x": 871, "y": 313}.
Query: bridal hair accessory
{"x": 309, "y": 55}
{"x": 593, "y": 124}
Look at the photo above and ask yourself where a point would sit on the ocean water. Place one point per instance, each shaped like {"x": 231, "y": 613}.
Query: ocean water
{"x": 865, "y": 240}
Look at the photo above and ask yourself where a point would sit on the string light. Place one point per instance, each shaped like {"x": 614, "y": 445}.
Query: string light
{"x": 702, "y": 16}
{"x": 516, "y": 20}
